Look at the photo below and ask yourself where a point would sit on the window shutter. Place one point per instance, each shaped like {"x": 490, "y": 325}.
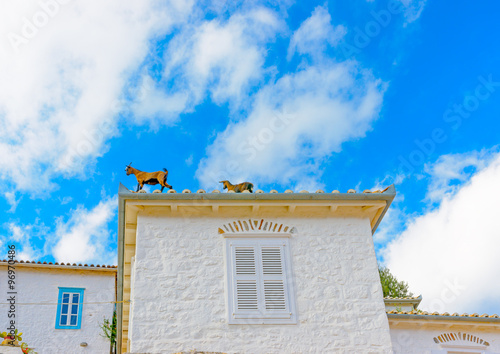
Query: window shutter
{"x": 259, "y": 282}
{"x": 246, "y": 279}
{"x": 273, "y": 277}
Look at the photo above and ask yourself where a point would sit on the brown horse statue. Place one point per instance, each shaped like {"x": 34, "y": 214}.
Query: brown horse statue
{"x": 238, "y": 188}
{"x": 158, "y": 177}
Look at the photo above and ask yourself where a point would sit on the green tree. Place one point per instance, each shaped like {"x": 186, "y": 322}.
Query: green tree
{"x": 391, "y": 286}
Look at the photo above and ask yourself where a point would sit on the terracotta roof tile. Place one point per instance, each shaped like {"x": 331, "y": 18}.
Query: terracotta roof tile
{"x": 425, "y": 313}
{"x": 199, "y": 191}
{"x": 62, "y": 264}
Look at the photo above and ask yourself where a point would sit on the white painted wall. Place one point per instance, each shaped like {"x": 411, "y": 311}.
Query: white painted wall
{"x": 420, "y": 340}
{"x": 37, "y": 322}
{"x": 179, "y": 301}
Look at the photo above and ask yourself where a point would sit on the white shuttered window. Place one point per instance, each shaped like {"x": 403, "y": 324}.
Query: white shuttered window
{"x": 259, "y": 281}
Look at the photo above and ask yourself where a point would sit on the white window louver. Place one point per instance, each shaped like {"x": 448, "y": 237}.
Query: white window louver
{"x": 246, "y": 294}
{"x": 259, "y": 282}
{"x": 274, "y": 293}
{"x": 272, "y": 269}
{"x": 245, "y": 260}
{"x": 246, "y": 282}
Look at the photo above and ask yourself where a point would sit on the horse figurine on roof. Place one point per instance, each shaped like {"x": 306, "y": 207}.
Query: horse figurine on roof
{"x": 152, "y": 178}
{"x": 237, "y": 188}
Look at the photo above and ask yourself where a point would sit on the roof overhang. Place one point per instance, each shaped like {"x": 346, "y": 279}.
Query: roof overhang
{"x": 372, "y": 205}
{"x": 394, "y": 302}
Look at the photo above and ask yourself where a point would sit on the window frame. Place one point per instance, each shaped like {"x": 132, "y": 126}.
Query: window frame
{"x": 71, "y": 291}
{"x": 261, "y": 316}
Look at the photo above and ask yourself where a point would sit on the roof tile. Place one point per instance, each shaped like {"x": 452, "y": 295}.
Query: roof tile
{"x": 425, "y": 313}
{"x": 60, "y": 264}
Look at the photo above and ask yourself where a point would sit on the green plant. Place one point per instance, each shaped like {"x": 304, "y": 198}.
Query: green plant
{"x": 109, "y": 329}
{"x": 391, "y": 286}
{"x": 17, "y": 337}
{"x": 14, "y": 337}
{"x": 26, "y": 350}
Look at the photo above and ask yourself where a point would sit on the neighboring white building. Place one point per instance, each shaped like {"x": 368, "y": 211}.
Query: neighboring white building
{"x": 60, "y": 306}
{"x": 420, "y": 332}
{"x": 251, "y": 273}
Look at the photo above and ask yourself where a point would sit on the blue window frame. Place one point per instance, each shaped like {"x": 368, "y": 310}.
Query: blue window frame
{"x": 69, "y": 308}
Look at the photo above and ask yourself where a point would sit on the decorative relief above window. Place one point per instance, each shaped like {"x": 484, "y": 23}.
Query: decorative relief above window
{"x": 255, "y": 226}
{"x": 459, "y": 340}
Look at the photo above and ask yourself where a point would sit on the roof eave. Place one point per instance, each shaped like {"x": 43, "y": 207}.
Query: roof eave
{"x": 415, "y": 300}
{"x": 403, "y": 316}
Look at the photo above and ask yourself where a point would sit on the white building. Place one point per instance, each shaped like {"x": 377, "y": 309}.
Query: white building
{"x": 417, "y": 332}
{"x": 251, "y": 273}
{"x": 269, "y": 273}
{"x": 58, "y": 307}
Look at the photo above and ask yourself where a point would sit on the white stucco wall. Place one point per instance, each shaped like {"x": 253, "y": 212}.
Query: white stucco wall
{"x": 414, "y": 340}
{"x": 37, "y": 322}
{"x": 179, "y": 301}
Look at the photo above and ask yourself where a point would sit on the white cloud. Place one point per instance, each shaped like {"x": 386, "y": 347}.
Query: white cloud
{"x": 413, "y": 9}
{"x": 449, "y": 171}
{"x": 65, "y": 200}
{"x": 189, "y": 160}
{"x": 220, "y": 59}
{"x": 392, "y": 223}
{"x": 294, "y": 124}
{"x": 62, "y": 67}
{"x": 152, "y": 104}
{"x": 25, "y": 238}
{"x": 314, "y": 34}
{"x": 12, "y": 200}
{"x": 450, "y": 254}
{"x": 84, "y": 237}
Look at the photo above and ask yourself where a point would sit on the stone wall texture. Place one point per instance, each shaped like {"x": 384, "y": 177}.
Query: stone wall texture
{"x": 37, "y": 322}
{"x": 179, "y": 297}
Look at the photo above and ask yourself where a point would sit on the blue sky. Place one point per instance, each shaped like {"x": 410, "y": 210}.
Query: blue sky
{"x": 300, "y": 95}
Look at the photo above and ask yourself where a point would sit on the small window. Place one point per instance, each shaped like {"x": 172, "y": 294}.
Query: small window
{"x": 259, "y": 281}
{"x": 69, "y": 308}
